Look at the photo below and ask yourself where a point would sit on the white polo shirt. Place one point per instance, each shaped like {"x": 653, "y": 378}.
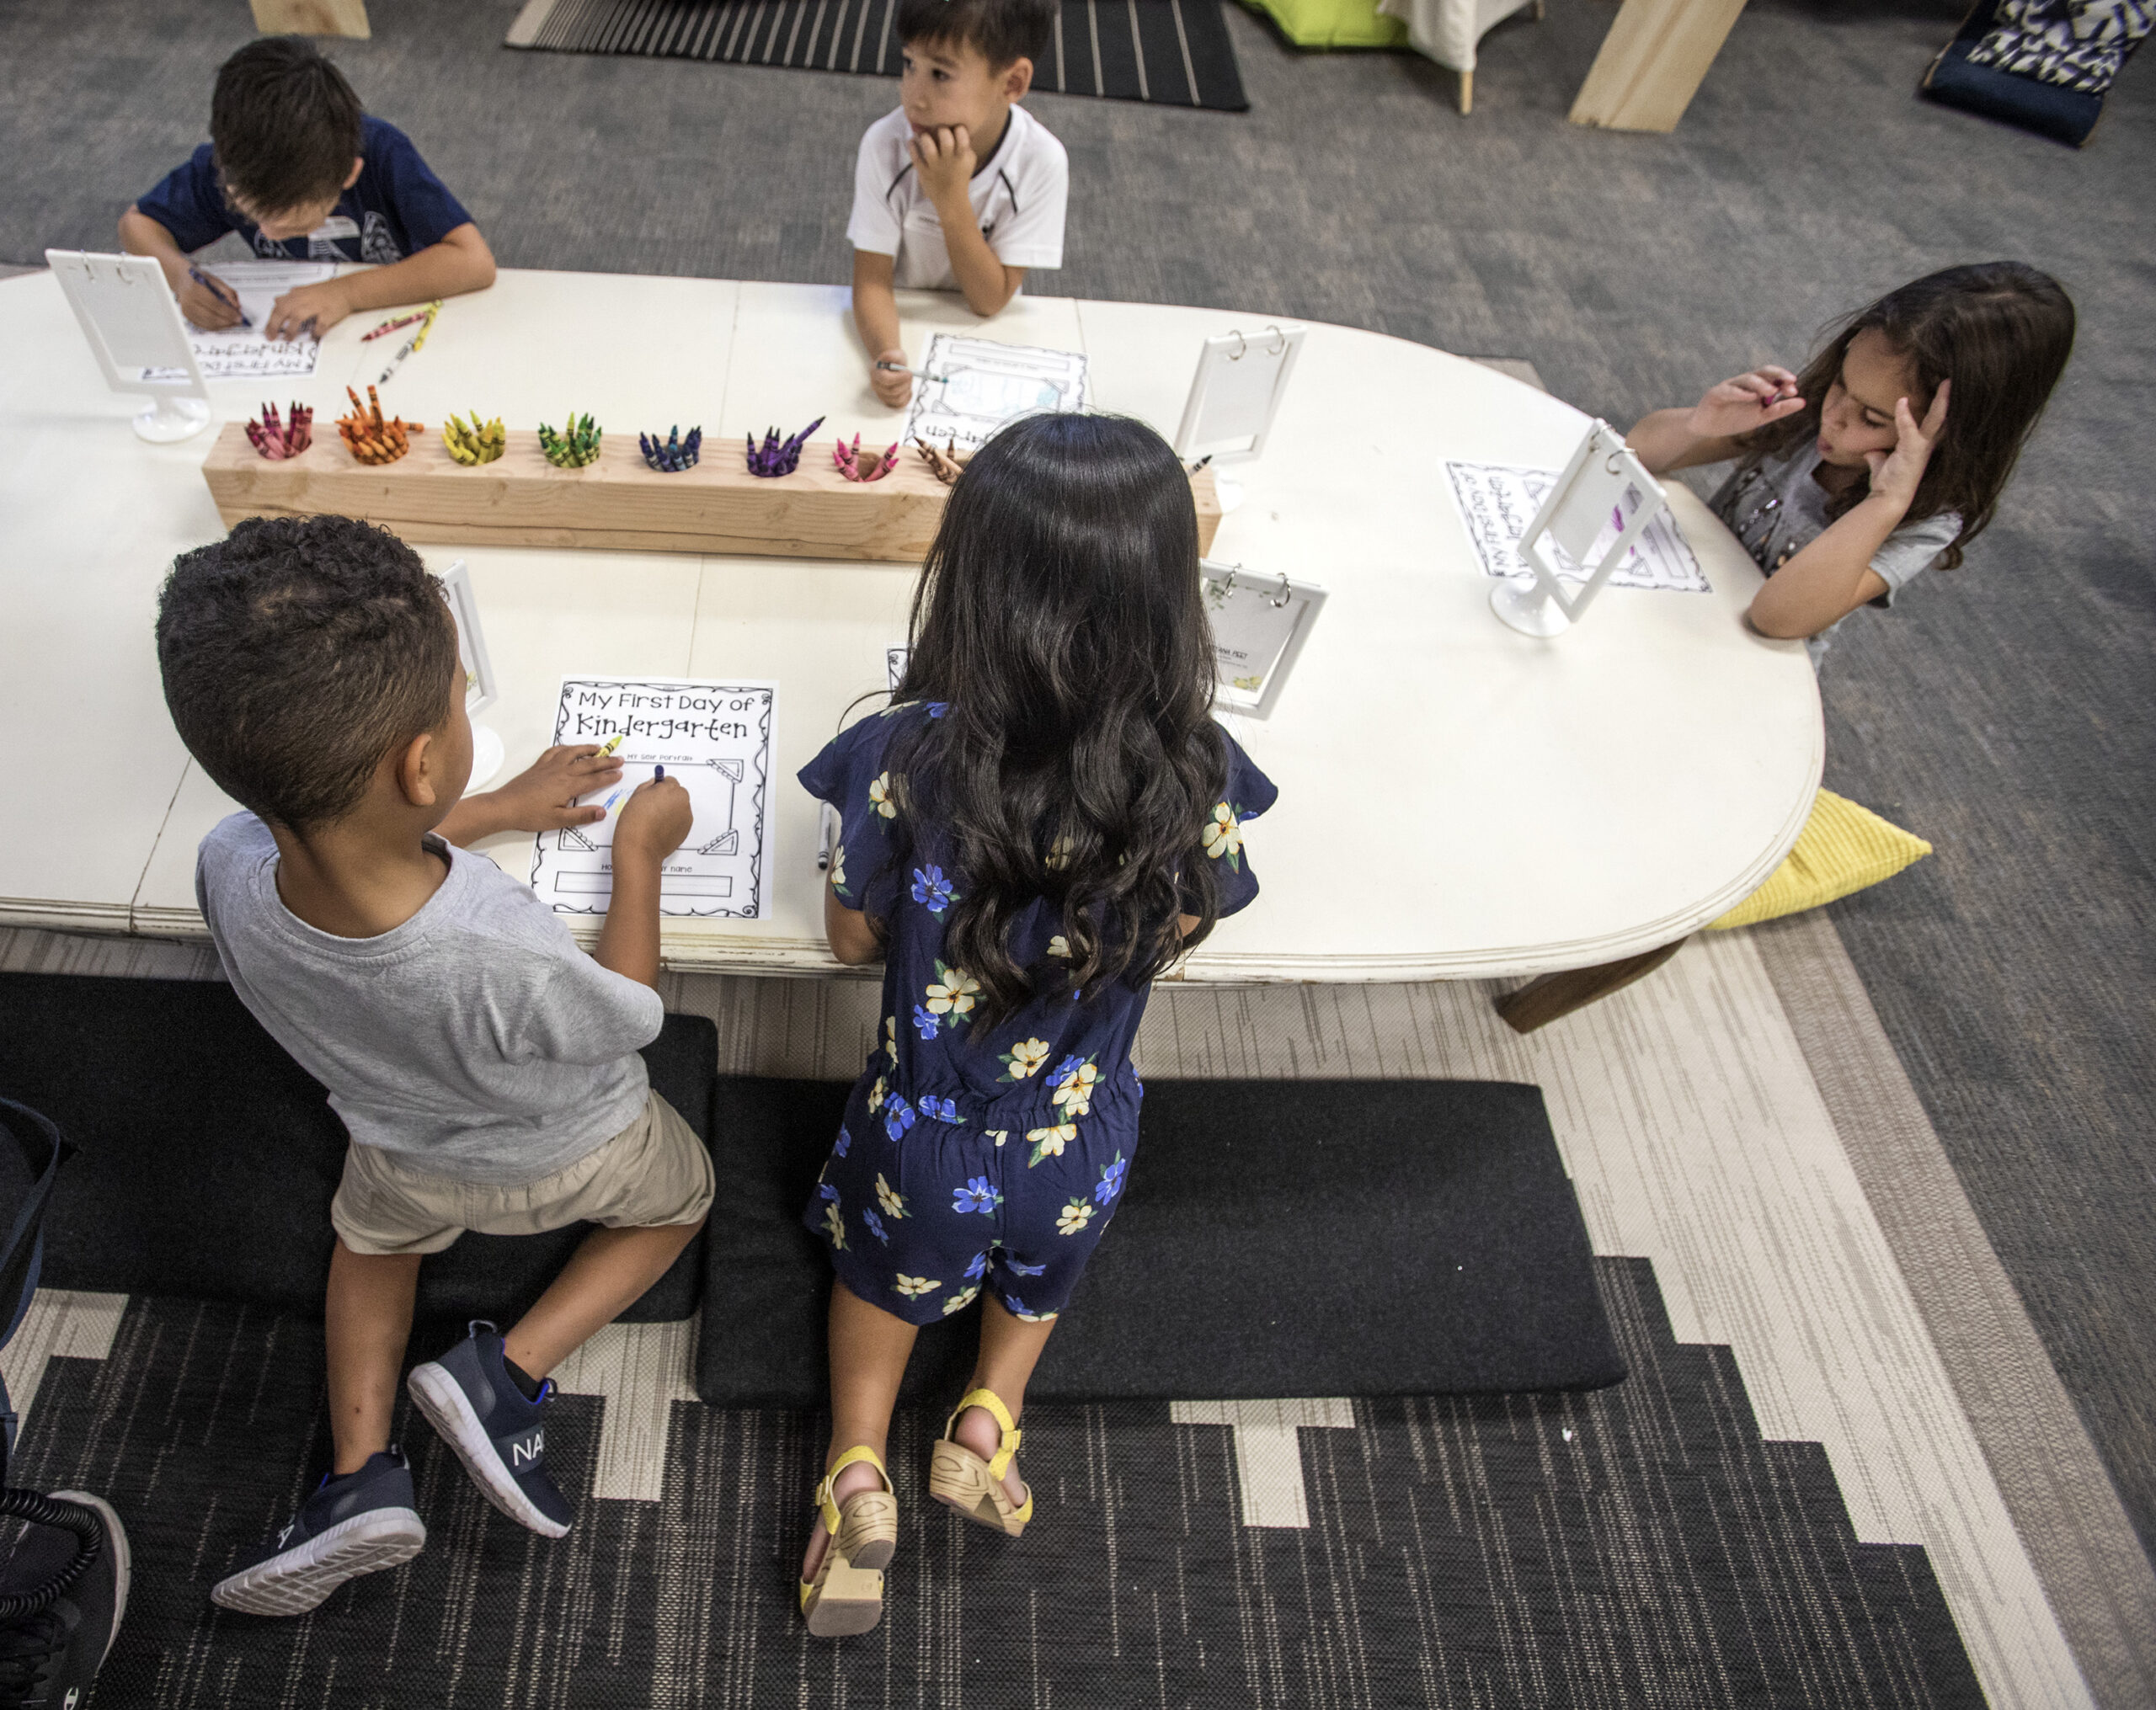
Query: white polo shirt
{"x": 1017, "y": 196}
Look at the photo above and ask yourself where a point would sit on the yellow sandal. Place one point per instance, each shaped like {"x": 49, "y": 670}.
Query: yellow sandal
{"x": 959, "y": 1479}
{"x": 846, "y": 1595}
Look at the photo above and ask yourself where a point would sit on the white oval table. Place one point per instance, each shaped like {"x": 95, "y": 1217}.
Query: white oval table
{"x": 1456, "y": 800}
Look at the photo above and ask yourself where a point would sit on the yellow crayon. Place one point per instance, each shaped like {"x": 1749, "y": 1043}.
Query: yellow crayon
{"x": 607, "y": 748}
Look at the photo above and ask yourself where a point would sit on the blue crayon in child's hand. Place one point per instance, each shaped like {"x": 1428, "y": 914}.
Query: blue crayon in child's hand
{"x": 657, "y": 773}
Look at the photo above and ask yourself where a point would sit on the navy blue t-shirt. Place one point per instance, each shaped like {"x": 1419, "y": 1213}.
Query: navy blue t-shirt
{"x": 927, "y": 1002}
{"x": 397, "y": 208}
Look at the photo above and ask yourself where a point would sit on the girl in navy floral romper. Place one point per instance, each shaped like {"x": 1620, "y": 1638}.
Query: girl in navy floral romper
{"x": 1044, "y": 820}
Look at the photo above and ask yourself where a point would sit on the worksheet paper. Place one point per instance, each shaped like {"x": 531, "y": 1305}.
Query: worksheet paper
{"x": 974, "y": 385}
{"x": 243, "y": 353}
{"x": 715, "y": 738}
{"x": 1497, "y": 501}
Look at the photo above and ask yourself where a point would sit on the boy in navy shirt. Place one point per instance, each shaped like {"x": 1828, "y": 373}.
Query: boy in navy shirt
{"x": 297, "y": 169}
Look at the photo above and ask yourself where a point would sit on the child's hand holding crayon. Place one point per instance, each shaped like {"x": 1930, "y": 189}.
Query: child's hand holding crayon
{"x": 1748, "y": 400}
{"x": 891, "y": 378}
{"x": 206, "y": 300}
{"x": 653, "y": 821}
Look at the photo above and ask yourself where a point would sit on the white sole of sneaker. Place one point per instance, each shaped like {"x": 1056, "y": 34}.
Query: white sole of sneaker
{"x": 123, "y": 1558}
{"x": 296, "y": 1581}
{"x": 442, "y": 1399}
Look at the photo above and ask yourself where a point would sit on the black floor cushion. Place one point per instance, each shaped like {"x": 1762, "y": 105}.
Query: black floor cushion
{"x": 207, "y": 1157}
{"x": 1278, "y": 1238}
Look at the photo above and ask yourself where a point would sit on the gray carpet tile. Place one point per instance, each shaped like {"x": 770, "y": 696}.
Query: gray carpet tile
{"x": 2003, "y": 711}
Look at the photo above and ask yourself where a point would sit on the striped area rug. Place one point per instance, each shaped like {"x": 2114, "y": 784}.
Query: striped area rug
{"x": 1174, "y": 53}
{"x": 1839, "y": 1419}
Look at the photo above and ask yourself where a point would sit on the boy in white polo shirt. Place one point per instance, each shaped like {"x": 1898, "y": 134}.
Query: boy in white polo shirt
{"x": 960, "y": 189}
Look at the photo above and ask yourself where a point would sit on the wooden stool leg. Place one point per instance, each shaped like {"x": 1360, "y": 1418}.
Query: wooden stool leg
{"x": 312, "y": 17}
{"x": 1542, "y": 1001}
{"x": 1467, "y": 92}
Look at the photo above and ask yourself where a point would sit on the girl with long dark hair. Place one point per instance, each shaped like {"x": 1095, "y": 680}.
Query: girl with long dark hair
{"x": 1045, "y": 820}
{"x": 1888, "y": 453}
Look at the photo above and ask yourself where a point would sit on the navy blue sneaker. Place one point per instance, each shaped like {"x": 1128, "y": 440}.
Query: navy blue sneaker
{"x": 469, "y": 1396}
{"x": 358, "y": 1524}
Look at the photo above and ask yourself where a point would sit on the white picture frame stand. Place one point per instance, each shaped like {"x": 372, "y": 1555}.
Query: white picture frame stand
{"x": 132, "y": 320}
{"x": 1260, "y": 626}
{"x": 488, "y": 751}
{"x": 1234, "y": 396}
{"x": 1604, "y": 484}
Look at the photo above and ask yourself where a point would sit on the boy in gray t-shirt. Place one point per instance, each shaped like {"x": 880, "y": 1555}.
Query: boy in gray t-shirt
{"x": 485, "y": 1068}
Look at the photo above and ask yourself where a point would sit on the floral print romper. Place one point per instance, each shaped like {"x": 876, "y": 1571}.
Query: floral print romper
{"x": 968, "y": 1161}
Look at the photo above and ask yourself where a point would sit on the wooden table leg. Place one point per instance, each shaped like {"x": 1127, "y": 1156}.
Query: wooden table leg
{"x": 1542, "y": 1001}
{"x": 312, "y": 17}
{"x": 1652, "y": 60}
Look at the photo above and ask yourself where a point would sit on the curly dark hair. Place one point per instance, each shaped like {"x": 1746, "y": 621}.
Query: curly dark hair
{"x": 1003, "y": 31}
{"x": 296, "y": 652}
{"x": 2002, "y": 332}
{"x": 1060, "y": 616}
{"x": 284, "y": 124}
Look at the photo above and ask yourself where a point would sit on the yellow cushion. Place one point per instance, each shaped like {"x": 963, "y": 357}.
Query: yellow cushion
{"x": 1842, "y": 848}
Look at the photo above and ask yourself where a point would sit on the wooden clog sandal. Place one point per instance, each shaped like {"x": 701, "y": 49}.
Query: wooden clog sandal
{"x": 959, "y": 1479}
{"x": 846, "y": 1595}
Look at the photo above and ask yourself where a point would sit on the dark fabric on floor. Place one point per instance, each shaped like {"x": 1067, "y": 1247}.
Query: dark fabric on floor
{"x": 1639, "y": 1545}
{"x": 1176, "y": 52}
{"x": 207, "y": 1157}
{"x": 2004, "y": 711}
{"x": 1278, "y": 1238}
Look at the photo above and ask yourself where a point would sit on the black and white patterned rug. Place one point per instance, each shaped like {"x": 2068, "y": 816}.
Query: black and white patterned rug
{"x": 1174, "y": 53}
{"x": 1639, "y": 1545}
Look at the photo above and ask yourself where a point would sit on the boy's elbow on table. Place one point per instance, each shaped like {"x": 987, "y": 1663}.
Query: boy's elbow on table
{"x": 474, "y": 256}
{"x": 1013, "y": 278}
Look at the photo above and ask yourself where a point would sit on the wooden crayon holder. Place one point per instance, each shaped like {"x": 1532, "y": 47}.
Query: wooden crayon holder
{"x": 618, "y": 503}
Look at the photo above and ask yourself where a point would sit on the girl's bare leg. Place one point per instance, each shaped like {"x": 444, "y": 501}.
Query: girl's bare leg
{"x": 1010, "y": 1348}
{"x": 869, "y": 1351}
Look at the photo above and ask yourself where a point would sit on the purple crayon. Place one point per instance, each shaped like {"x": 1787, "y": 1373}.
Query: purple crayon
{"x": 776, "y": 457}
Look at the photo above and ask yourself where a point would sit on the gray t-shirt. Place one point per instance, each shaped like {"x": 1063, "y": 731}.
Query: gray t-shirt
{"x": 475, "y": 1041}
{"x": 1777, "y": 509}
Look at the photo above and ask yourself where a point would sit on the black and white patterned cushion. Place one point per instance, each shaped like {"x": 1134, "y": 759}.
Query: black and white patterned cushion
{"x": 2078, "y": 43}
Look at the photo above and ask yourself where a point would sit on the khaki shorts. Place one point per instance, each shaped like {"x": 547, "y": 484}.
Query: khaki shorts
{"x": 654, "y": 1172}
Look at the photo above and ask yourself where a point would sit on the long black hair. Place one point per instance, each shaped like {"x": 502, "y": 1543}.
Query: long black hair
{"x": 1059, "y": 614}
{"x": 2002, "y": 332}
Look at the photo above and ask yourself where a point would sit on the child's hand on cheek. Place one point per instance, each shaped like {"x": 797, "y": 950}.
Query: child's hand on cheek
{"x": 653, "y": 821}
{"x": 543, "y": 798}
{"x": 1896, "y": 474}
{"x": 944, "y": 158}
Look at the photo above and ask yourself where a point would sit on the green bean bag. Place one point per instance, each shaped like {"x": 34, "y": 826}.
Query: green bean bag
{"x": 1332, "y": 22}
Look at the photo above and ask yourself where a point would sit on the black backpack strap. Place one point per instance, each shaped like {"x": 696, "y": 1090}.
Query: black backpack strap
{"x": 22, "y": 1258}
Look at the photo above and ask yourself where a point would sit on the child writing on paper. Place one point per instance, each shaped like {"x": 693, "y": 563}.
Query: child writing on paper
{"x": 960, "y": 190}
{"x": 299, "y": 171}
{"x": 1888, "y": 453}
{"x": 486, "y": 1067}
{"x": 1045, "y": 820}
